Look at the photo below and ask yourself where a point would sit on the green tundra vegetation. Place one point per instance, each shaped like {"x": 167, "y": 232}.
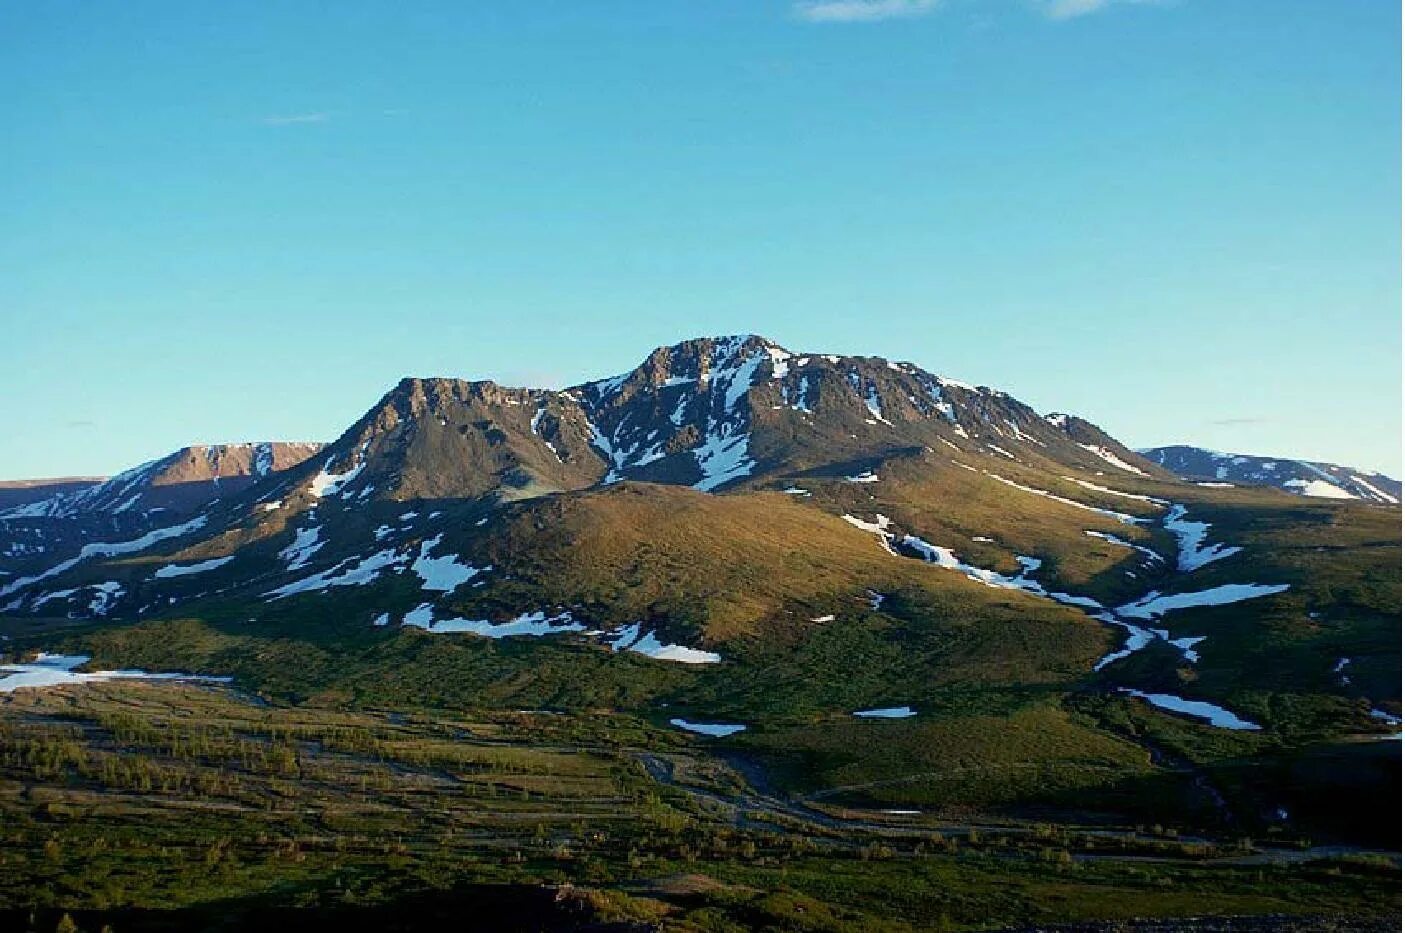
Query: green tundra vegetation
{"x": 124, "y": 801}
{"x": 350, "y": 767}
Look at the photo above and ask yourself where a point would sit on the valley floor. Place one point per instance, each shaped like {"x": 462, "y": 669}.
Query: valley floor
{"x": 161, "y": 806}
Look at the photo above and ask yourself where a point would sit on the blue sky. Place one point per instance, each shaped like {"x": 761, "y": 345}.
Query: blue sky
{"x": 1179, "y": 219}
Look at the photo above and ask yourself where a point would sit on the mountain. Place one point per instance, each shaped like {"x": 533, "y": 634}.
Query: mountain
{"x": 716, "y": 414}
{"x": 707, "y": 413}
{"x": 17, "y": 492}
{"x": 746, "y": 534}
{"x": 46, "y": 522}
{"x": 1300, "y": 477}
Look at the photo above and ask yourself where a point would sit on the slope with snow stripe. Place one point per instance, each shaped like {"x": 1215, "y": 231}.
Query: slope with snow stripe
{"x": 1122, "y": 517}
{"x": 1150, "y": 606}
{"x": 539, "y": 624}
{"x": 108, "y": 549}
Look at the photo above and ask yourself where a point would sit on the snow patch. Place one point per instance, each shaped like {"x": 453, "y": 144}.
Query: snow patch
{"x": 1151, "y": 557}
{"x": 723, "y": 457}
{"x": 305, "y": 544}
{"x": 1119, "y": 516}
{"x": 327, "y": 484}
{"x": 108, "y": 549}
{"x": 442, "y": 574}
{"x": 531, "y": 624}
{"x": 57, "y": 670}
{"x": 887, "y": 712}
{"x": 1102, "y": 453}
{"x": 1115, "y": 492}
{"x": 647, "y": 644}
{"x": 1319, "y": 489}
{"x": 1153, "y": 604}
{"x": 719, "y": 729}
{"x": 181, "y": 570}
{"x": 360, "y": 573}
{"x": 1215, "y": 715}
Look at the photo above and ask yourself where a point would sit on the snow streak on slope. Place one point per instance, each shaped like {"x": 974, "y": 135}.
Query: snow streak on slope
{"x": 724, "y": 454}
{"x": 346, "y": 573}
{"x": 1122, "y": 517}
{"x": 1154, "y": 605}
{"x": 101, "y": 597}
{"x": 723, "y": 457}
{"x": 533, "y": 624}
{"x": 945, "y": 557}
{"x": 1150, "y": 606}
{"x": 64, "y": 504}
{"x": 538, "y": 624}
{"x": 1214, "y": 715}
{"x": 1149, "y": 556}
{"x": 621, "y": 457}
{"x": 1103, "y": 453}
{"x": 887, "y": 712}
{"x": 1194, "y": 553}
{"x": 181, "y": 570}
{"x": 879, "y": 527}
{"x": 1114, "y": 492}
{"x": 105, "y": 549}
{"x": 305, "y": 544}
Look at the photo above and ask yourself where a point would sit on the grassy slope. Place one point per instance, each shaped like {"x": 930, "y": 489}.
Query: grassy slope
{"x": 746, "y": 573}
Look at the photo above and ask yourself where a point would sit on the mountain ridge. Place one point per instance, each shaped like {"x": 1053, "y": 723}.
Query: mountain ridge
{"x": 1318, "y": 479}
{"x": 717, "y": 414}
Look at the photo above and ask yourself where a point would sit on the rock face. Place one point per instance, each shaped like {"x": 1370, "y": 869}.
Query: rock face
{"x": 717, "y": 411}
{"x": 709, "y": 413}
{"x": 1301, "y": 477}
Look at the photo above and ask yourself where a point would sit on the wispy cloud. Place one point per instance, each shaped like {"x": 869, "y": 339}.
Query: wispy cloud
{"x": 1072, "y": 9}
{"x": 861, "y": 11}
{"x": 1226, "y": 422}
{"x": 872, "y": 11}
{"x": 294, "y": 119}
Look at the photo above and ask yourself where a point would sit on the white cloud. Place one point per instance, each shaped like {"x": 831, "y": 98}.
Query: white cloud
{"x": 861, "y": 11}
{"x": 292, "y": 119}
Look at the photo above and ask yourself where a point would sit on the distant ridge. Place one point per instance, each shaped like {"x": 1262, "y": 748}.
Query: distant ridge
{"x": 1300, "y": 477}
